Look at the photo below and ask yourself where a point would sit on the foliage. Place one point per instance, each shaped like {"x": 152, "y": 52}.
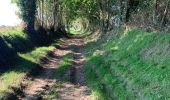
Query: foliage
{"x": 27, "y": 12}
{"x": 57, "y": 14}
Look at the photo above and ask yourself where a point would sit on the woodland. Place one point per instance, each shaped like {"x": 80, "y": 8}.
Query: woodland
{"x": 87, "y": 50}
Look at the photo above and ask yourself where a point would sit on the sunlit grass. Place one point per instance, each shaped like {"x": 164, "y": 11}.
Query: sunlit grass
{"x": 17, "y": 39}
{"x": 64, "y": 66}
{"x": 135, "y": 66}
{"x": 11, "y": 78}
{"x": 80, "y": 32}
{"x": 61, "y": 74}
{"x": 26, "y": 62}
{"x": 28, "y": 57}
{"x": 35, "y": 55}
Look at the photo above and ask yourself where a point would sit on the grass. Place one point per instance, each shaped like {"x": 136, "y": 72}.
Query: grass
{"x": 26, "y": 62}
{"x": 134, "y": 66}
{"x": 80, "y": 32}
{"x": 17, "y": 39}
{"x": 13, "y": 40}
{"x": 61, "y": 74}
{"x": 64, "y": 66}
{"x": 27, "y": 57}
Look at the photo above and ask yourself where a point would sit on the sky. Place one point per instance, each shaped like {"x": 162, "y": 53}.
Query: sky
{"x": 8, "y": 15}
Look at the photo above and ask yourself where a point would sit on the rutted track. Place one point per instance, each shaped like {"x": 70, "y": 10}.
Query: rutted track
{"x": 76, "y": 89}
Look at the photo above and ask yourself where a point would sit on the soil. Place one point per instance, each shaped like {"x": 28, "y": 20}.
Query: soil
{"x": 75, "y": 89}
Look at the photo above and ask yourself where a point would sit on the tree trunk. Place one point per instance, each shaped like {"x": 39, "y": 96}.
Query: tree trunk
{"x": 165, "y": 14}
{"x": 42, "y": 13}
{"x": 155, "y": 12}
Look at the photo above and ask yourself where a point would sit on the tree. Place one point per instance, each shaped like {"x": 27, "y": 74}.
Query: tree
{"x": 27, "y": 12}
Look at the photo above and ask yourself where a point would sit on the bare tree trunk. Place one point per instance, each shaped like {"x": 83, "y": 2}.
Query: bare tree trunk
{"x": 165, "y": 14}
{"x": 155, "y": 12}
{"x": 39, "y": 10}
{"x": 128, "y": 8}
{"x": 42, "y": 13}
{"x": 54, "y": 14}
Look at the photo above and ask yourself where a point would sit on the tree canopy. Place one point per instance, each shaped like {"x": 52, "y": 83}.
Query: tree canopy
{"x": 59, "y": 13}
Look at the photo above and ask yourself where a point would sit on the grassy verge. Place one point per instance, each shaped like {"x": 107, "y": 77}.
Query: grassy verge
{"x": 18, "y": 40}
{"x": 134, "y": 66}
{"x": 25, "y": 63}
{"x": 17, "y": 47}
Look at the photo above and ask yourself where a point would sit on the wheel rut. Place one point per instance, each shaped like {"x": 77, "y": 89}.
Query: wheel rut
{"x": 75, "y": 89}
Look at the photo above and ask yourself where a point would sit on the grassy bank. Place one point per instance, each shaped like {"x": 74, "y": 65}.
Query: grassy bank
{"x": 18, "y": 56}
{"x": 134, "y": 66}
{"x": 18, "y": 40}
{"x": 25, "y": 63}
{"x": 14, "y": 40}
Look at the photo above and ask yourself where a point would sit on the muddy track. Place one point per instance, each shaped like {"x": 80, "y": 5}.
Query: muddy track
{"x": 75, "y": 89}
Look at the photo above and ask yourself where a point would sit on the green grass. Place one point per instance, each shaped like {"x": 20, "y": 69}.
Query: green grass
{"x": 17, "y": 39}
{"x": 61, "y": 74}
{"x": 26, "y": 62}
{"x": 27, "y": 58}
{"x": 134, "y": 66}
{"x": 64, "y": 66}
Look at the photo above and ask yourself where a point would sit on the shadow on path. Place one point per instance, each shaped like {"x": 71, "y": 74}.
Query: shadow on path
{"x": 73, "y": 89}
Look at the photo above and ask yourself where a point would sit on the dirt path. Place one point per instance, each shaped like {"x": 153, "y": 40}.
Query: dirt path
{"x": 76, "y": 89}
